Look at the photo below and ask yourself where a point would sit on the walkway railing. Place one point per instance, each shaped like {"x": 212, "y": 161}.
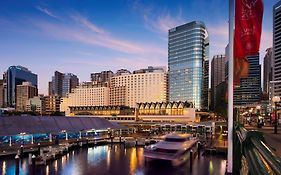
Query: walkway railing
{"x": 260, "y": 158}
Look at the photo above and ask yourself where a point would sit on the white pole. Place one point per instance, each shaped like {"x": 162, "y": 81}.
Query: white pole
{"x": 10, "y": 141}
{"x": 230, "y": 87}
{"x": 32, "y": 139}
{"x": 50, "y": 137}
{"x": 66, "y": 136}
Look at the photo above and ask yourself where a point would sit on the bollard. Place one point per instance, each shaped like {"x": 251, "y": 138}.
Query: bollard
{"x": 10, "y": 141}
{"x": 120, "y": 139}
{"x": 29, "y": 158}
{"x": 198, "y": 151}
{"x": 191, "y": 160}
{"x": 33, "y": 164}
{"x": 17, "y": 164}
{"x": 32, "y": 141}
{"x": 136, "y": 142}
{"x": 38, "y": 146}
{"x": 21, "y": 151}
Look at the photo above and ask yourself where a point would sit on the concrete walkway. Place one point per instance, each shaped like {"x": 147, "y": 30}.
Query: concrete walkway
{"x": 273, "y": 140}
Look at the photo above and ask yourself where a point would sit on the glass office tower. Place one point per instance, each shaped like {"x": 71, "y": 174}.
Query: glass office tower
{"x": 249, "y": 90}
{"x": 188, "y": 64}
{"x": 15, "y": 76}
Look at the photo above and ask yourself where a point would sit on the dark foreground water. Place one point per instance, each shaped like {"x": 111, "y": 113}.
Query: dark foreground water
{"x": 115, "y": 160}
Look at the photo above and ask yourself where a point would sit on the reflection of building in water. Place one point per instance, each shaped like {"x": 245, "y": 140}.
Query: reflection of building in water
{"x": 133, "y": 161}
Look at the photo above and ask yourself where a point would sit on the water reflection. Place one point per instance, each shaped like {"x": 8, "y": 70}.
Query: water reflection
{"x": 133, "y": 161}
{"x": 4, "y": 167}
{"x": 114, "y": 160}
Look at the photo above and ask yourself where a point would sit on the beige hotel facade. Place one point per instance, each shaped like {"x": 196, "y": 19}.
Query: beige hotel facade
{"x": 142, "y": 86}
{"x": 124, "y": 89}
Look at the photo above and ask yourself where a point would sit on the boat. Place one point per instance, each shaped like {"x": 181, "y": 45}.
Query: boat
{"x": 130, "y": 141}
{"x": 175, "y": 148}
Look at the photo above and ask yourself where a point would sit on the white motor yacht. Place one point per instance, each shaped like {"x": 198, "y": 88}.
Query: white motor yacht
{"x": 174, "y": 148}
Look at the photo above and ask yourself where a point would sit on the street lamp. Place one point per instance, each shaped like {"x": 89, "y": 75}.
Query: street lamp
{"x": 259, "y": 123}
{"x": 275, "y": 100}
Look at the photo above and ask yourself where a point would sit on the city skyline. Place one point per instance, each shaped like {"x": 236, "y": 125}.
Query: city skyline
{"x": 82, "y": 38}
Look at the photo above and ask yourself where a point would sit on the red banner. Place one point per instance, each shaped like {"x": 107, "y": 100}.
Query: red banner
{"x": 247, "y": 34}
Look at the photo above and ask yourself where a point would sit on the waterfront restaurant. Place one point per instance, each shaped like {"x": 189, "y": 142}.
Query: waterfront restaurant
{"x": 30, "y": 129}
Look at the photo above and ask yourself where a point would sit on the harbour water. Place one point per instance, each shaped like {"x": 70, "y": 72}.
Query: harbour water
{"x": 115, "y": 160}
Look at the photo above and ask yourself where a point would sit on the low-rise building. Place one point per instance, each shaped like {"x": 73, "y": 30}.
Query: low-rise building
{"x": 180, "y": 112}
{"x": 52, "y": 104}
{"x": 36, "y": 104}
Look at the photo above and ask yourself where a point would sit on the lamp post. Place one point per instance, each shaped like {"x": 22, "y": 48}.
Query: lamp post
{"x": 258, "y": 114}
{"x": 275, "y": 100}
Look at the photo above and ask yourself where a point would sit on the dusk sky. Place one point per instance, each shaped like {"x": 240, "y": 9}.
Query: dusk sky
{"x": 82, "y": 37}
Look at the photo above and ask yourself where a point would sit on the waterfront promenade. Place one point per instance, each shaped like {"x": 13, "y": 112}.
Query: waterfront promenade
{"x": 273, "y": 140}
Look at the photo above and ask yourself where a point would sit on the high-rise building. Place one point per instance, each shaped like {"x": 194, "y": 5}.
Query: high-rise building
{"x": 102, "y": 78}
{"x": 217, "y": 75}
{"x": 122, "y": 72}
{"x": 56, "y": 84}
{"x": 145, "y": 85}
{"x": 16, "y": 75}
{"x": 277, "y": 49}
{"x": 249, "y": 90}
{"x": 188, "y": 64}
{"x": 62, "y": 83}
{"x": 267, "y": 70}
{"x": 1, "y": 93}
{"x": 50, "y": 87}
{"x": 69, "y": 82}
{"x": 24, "y": 91}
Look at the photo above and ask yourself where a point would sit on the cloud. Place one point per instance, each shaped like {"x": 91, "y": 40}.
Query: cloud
{"x": 218, "y": 35}
{"x": 46, "y": 11}
{"x": 115, "y": 63}
{"x": 156, "y": 19}
{"x": 266, "y": 41}
{"x": 163, "y": 23}
{"x": 220, "y": 30}
{"x": 96, "y": 36}
{"x": 84, "y": 21}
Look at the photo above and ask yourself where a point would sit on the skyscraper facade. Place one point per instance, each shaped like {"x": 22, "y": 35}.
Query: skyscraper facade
{"x": 62, "y": 83}
{"x": 188, "y": 63}
{"x": 16, "y": 75}
{"x": 102, "y": 78}
{"x": 1, "y": 93}
{"x": 56, "y": 84}
{"x": 277, "y": 49}
{"x": 217, "y": 75}
{"x": 249, "y": 90}
{"x": 69, "y": 82}
{"x": 267, "y": 70}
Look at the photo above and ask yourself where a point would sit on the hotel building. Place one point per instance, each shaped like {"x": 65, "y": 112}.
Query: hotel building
{"x": 87, "y": 94}
{"x": 144, "y": 85}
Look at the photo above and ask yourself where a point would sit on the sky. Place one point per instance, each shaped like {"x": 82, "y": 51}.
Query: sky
{"x": 83, "y": 37}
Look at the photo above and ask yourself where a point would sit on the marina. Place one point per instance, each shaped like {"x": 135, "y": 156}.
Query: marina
{"x": 114, "y": 159}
